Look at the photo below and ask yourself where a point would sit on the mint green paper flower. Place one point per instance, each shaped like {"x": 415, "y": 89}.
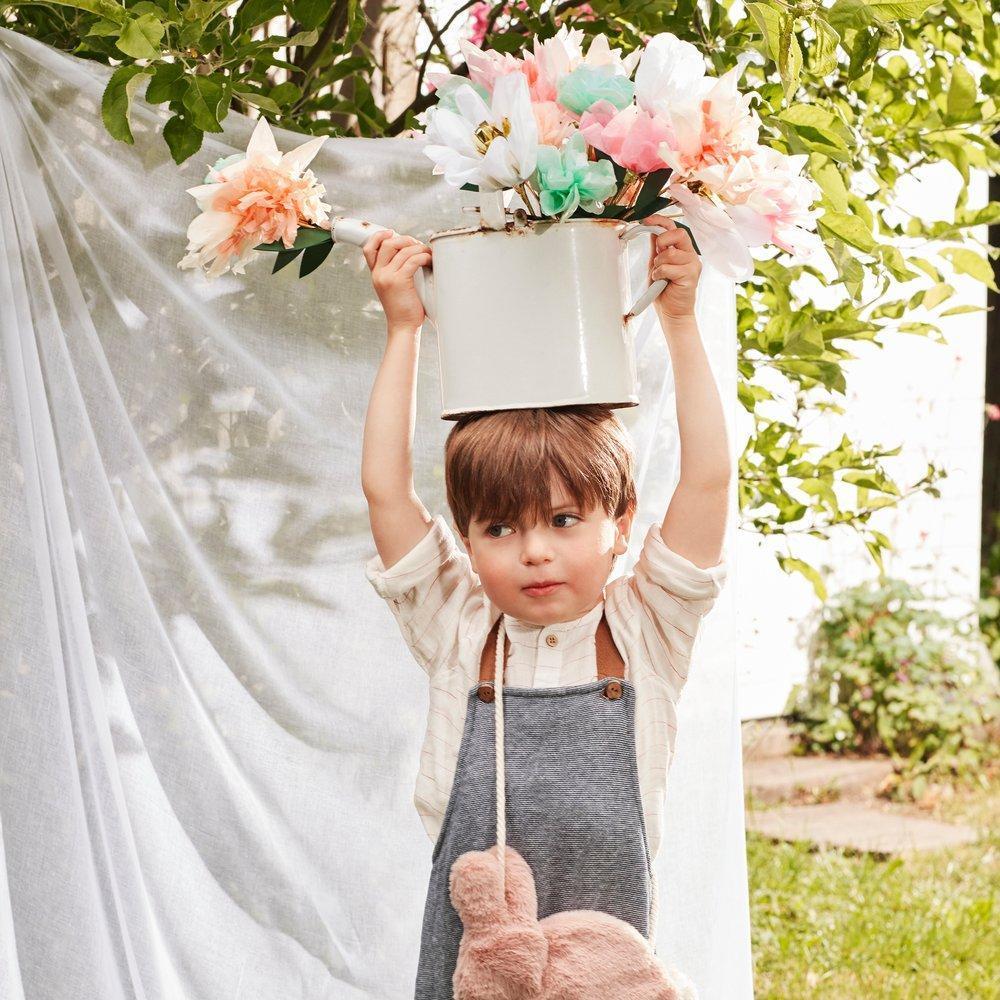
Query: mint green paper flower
{"x": 566, "y": 180}
{"x": 446, "y": 92}
{"x": 586, "y": 85}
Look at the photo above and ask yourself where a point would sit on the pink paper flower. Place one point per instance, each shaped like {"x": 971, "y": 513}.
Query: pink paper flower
{"x": 768, "y": 198}
{"x": 261, "y": 198}
{"x": 631, "y": 137}
{"x": 719, "y": 240}
{"x": 486, "y": 66}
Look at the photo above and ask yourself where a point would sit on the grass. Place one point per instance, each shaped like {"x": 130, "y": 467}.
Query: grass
{"x": 830, "y": 925}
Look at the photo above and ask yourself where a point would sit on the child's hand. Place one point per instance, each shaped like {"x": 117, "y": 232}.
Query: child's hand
{"x": 673, "y": 257}
{"x": 393, "y": 260}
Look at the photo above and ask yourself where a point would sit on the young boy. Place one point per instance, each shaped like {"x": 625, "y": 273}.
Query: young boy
{"x": 543, "y": 500}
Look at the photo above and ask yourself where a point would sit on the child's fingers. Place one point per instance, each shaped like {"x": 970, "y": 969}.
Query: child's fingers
{"x": 405, "y": 254}
{"x": 390, "y": 247}
{"x": 675, "y": 237}
{"x": 673, "y": 255}
{"x": 414, "y": 263}
{"x": 669, "y": 271}
{"x": 371, "y": 247}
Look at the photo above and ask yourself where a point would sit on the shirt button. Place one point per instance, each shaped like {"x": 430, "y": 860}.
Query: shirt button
{"x": 552, "y": 640}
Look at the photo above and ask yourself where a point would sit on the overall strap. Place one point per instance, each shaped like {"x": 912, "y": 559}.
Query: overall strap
{"x": 609, "y": 660}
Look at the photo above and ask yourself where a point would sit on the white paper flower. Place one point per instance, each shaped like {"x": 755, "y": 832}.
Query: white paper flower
{"x": 671, "y": 72}
{"x": 492, "y": 146}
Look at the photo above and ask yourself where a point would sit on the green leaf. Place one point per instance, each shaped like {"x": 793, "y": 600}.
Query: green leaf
{"x": 182, "y": 137}
{"x": 285, "y": 93}
{"x": 961, "y": 95}
{"x": 117, "y": 100}
{"x": 313, "y": 257}
{"x": 167, "y": 84}
{"x": 255, "y": 12}
{"x": 823, "y": 54}
{"x": 306, "y": 237}
{"x": 141, "y": 37}
{"x": 202, "y": 99}
{"x": 283, "y": 258}
{"x": 257, "y": 99}
{"x": 310, "y": 13}
{"x": 966, "y": 261}
{"x": 848, "y": 228}
{"x": 791, "y": 565}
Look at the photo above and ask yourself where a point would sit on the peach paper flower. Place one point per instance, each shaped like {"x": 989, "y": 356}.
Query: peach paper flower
{"x": 555, "y": 123}
{"x": 260, "y": 198}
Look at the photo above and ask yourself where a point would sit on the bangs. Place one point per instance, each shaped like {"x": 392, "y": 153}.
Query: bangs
{"x": 503, "y": 466}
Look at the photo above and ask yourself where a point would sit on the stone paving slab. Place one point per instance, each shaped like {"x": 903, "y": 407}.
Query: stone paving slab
{"x": 776, "y": 779}
{"x": 855, "y": 825}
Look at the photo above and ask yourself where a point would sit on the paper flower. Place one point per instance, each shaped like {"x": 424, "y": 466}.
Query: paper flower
{"x": 768, "y": 199}
{"x": 715, "y": 232}
{"x": 717, "y": 127}
{"x": 257, "y": 197}
{"x": 631, "y": 137}
{"x": 670, "y": 72}
{"x": 555, "y": 123}
{"x": 567, "y": 180}
{"x": 586, "y": 85}
{"x": 559, "y": 55}
{"x": 492, "y": 146}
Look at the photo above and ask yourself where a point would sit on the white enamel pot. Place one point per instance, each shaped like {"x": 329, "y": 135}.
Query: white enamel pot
{"x": 531, "y": 316}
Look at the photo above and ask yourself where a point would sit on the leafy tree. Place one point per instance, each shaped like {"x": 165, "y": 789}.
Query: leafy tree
{"x": 868, "y": 89}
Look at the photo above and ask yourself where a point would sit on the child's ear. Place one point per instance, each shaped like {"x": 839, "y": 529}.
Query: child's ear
{"x": 624, "y": 524}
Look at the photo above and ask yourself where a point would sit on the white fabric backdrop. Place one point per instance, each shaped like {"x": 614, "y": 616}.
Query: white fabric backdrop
{"x": 209, "y": 725}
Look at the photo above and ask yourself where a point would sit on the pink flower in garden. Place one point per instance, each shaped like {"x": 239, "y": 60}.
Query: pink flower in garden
{"x": 479, "y": 17}
{"x": 555, "y": 123}
{"x": 631, "y": 137}
{"x": 262, "y": 197}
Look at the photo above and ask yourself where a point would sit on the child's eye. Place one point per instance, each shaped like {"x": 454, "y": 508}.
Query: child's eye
{"x": 489, "y": 530}
{"x": 568, "y": 515}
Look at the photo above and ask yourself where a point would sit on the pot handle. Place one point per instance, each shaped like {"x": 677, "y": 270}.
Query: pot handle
{"x": 357, "y": 232}
{"x": 657, "y": 286}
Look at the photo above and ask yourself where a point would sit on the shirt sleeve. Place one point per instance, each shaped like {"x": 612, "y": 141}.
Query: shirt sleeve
{"x": 670, "y": 597}
{"x": 433, "y": 592}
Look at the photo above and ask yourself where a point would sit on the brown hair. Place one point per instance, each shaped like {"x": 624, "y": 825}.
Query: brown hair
{"x": 498, "y": 465}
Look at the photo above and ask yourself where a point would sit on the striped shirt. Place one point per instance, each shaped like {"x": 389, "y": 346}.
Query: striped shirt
{"x": 444, "y": 614}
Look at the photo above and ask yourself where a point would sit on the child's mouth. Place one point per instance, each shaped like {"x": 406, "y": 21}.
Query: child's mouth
{"x": 541, "y": 591}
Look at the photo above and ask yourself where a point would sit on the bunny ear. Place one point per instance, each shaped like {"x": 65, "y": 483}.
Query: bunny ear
{"x": 474, "y": 887}
{"x": 520, "y": 893}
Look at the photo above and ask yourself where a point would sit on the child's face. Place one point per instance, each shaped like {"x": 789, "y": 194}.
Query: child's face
{"x": 576, "y": 549}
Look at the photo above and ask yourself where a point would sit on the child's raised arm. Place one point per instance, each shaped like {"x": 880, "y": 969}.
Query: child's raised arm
{"x": 398, "y": 519}
{"x": 695, "y": 523}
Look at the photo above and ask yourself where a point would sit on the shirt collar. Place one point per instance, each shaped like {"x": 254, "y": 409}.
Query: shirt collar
{"x": 586, "y": 624}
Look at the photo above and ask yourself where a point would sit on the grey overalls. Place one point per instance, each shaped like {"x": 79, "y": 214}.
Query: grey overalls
{"x": 574, "y": 809}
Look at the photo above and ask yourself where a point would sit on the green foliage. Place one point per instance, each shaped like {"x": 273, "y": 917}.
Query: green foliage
{"x": 890, "y": 673}
{"x": 868, "y": 90}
